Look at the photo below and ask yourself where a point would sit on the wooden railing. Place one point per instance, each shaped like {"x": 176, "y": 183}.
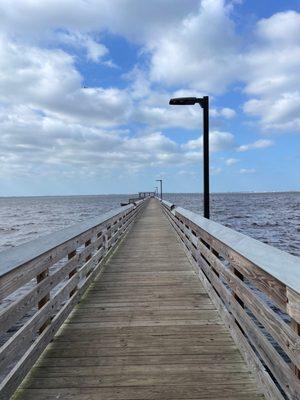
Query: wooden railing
{"x": 42, "y": 281}
{"x": 256, "y": 289}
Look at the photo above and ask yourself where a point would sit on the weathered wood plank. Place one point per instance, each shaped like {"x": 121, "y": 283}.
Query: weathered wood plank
{"x": 270, "y": 390}
{"x": 266, "y": 257}
{"x": 243, "y": 308}
{"x": 11, "y": 314}
{"x": 279, "y": 329}
{"x": 235, "y": 391}
{"x": 263, "y": 280}
{"x": 160, "y": 359}
{"x": 19, "y": 265}
{"x": 25, "y": 343}
{"x": 270, "y": 356}
{"x": 24, "y": 336}
{"x": 146, "y": 329}
{"x": 139, "y": 379}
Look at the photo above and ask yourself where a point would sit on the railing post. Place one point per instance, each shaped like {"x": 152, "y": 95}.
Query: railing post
{"x": 86, "y": 244}
{"x": 296, "y": 328}
{"x": 89, "y": 256}
{"x": 120, "y": 223}
{"x": 241, "y": 277}
{"x": 99, "y": 234}
{"x": 40, "y": 277}
{"x": 235, "y": 296}
{"x": 106, "y": 238}
{"x": 73, "y": 272}
{"x": 123, "y": 222}
{"x": 293, "y": 310}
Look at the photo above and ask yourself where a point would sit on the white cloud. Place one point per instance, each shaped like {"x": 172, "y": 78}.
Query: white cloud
{"x": 95, "y": 51}
{"x": 272, "y": 73}
{"x": 156, "y": 112}
{"x": 201, "y": 51}
{"x": 225, "y": 112}
{"x": 281, "y": 27}
{"x": 189, "y": 44}
{"x": 152, "y": 106}
{"x": 247, "y": 171}
{"x": 187, "y": 173}
{"x": 231, "y": 161}
{"x": 49, "y": 122}
{"x": 277, "y": 113}
{"x": 166, "y": 116}
{"x": 215, "y": 170}
{"x": 137, "y": 20}
{"x": 48, "y": 80}
{"x": 33, "y": 73}
{"x": 259, "y": 144}
{"x": 32, "y": 143}
{"x": 154, "y": 141}
{"x": 47, "y": 115}
{"x": 219, "y": 141}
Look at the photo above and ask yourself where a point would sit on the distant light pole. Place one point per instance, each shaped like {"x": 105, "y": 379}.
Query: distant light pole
{"x": 204, "y": 104}
{"x": 161, "y": 193}
{"x": 156, "y": 190}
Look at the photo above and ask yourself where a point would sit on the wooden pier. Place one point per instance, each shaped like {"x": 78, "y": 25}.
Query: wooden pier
{"x": 153, "y": 320}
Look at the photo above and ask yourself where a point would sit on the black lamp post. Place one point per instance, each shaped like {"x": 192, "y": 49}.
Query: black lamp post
{"x": 161, "y": 194}
{"x": 204, "y": 104}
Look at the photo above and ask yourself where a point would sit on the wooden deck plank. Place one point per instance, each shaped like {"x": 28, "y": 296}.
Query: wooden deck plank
{"x": 169, "y": 359}
{"x": 234, "y": 392}
{"x": 146, "y": 330}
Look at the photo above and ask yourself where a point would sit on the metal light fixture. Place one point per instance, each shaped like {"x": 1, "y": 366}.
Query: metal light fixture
{"x": 204, "y": 104}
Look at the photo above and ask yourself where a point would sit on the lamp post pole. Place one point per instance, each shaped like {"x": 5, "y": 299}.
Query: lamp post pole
{"x": 204, "y": 104}
{"x": 161, "y": 193}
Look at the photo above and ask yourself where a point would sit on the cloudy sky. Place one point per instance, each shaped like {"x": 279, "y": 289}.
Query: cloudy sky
{"x": 85, "y": 85}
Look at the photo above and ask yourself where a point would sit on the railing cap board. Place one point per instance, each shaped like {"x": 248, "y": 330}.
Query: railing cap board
{"x": 17, "y": 256}
{"x": 140, "y": 201}
{"x": 168, "y": 204}
{"x": 283, "y": 266}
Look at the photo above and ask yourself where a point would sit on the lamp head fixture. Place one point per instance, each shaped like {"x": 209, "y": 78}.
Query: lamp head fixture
{"x": 185, "y": 101}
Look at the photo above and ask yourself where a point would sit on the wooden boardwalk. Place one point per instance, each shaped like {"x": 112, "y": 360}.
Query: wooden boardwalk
{"x": 145, "y": 330}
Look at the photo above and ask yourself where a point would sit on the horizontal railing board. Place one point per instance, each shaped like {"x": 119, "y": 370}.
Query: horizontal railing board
{"x": 263, "y": 281}
{"x": 281, "y": 265}
{"x": 23, "y": 337}
{"x": 287, "y": 339}
{"x": 271, "y": 357}
{"x": 13, "y": 258}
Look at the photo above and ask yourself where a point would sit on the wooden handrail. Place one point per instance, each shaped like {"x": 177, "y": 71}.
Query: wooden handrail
{"x": 257, "y": 291}
{"x": 168, "y": 205}
{"x": 12, "y": 258}
{"x": 41, "y": 282}
{"x": 268, "y": 258}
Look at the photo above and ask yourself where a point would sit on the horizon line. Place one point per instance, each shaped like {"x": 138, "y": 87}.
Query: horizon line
{"x": 164, "y": 193}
